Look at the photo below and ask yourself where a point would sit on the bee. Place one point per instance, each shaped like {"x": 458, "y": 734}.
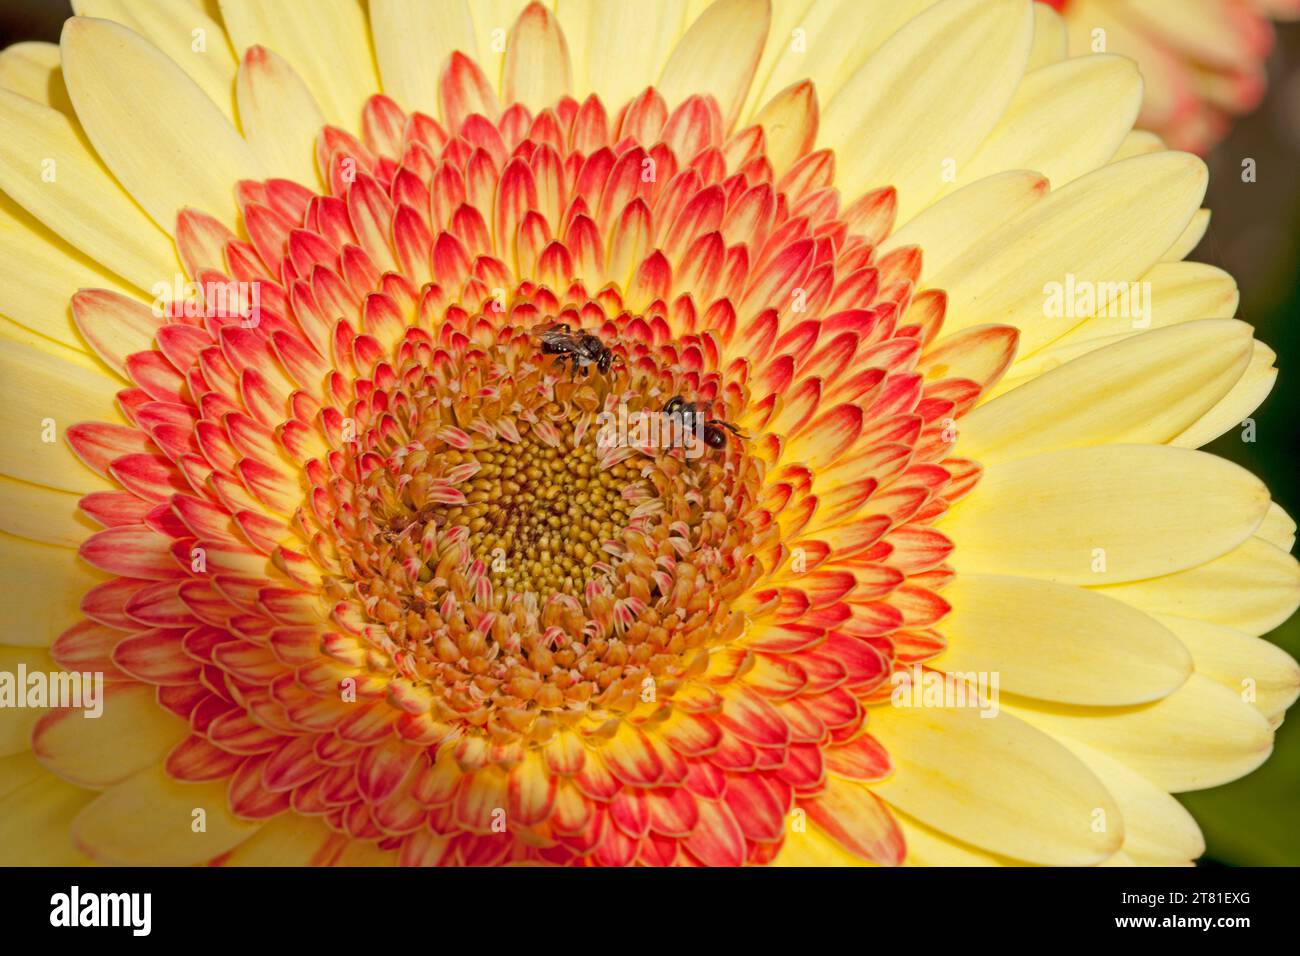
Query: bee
{"x": 715, "y": 437}
{"x": 582, "y": 348}
{"x": 680, "y": 406}
{"x": 713, "y": 433}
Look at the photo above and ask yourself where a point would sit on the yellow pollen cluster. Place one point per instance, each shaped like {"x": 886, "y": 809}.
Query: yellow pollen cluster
{"x": 537, "y": 515}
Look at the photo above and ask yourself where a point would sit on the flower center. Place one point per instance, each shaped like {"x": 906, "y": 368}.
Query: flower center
{"x": 525, "y": 536}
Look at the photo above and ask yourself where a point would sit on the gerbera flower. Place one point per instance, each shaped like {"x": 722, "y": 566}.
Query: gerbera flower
{"x": 367, "y": 586}
{"x": 1203, "y": 61}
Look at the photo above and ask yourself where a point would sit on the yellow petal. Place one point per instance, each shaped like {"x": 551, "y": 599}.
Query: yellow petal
{"x": 190, "y": 37}
{"x": 492, "y": 21}
{"x": 826, "y": 42}
{"x": 131, "y": 734}
{"x": 1231, "y": 411}
{"x": 1107, "y": 227}
{"x": 1263, "y": 674}
{"x": 619, "y": 47}
{"x": 536, "y": 71}
{"x": 789, "y": 122}
{"x": 280, "y": 116}
{"x": 46, "y": 167}
{"x": 161, "y": 136}
{"x": 33, "y": 70}
{"x": 13, "y": 334}
{"x": 150, "y": 820}
{"x": 413, "y": 39}
{"x": 329, "y": 48}
{"x": 1190, "y": 237}
{"x": 1180, "y": 292}
{"x": 1158, "y": 831}
{"x": 43, "y": 588}
{"x": 361, "y": 853}
{"x": 959, "y": 220}
{"x": 810, "y": 846}
{"x": 937, "y": 67}
{"x": 930, "y": 847}
{"x": 1139, "y": 143}
{"x": 43, "y": 514}
{"x": 1253, "y": 588}
{"x": 288, "y": 840}
{"x": 1037, "y": 806}
{"x": 1105, "y": 515}
{"x": 718, "y": 56}
{"x": 1199, "y": 736}
{"x": 1058, "y": 642}
{"x": 39, "y": 272}
{"x": 1278, "y": 528}
{"x": 1050, "y": 40}
{"x": 36, "y": 810}
{"x": 1144, "y": 388}
{"x": 782, "y": 39}
{"x": 1041, "y": 128}
{"x": 45, "y": 397}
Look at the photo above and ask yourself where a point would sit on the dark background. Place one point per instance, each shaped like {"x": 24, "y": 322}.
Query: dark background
{"x": 1255, "y": 236}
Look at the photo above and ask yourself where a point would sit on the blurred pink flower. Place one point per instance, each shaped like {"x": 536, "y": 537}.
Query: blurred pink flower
{"x": 1203, "y": 61}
